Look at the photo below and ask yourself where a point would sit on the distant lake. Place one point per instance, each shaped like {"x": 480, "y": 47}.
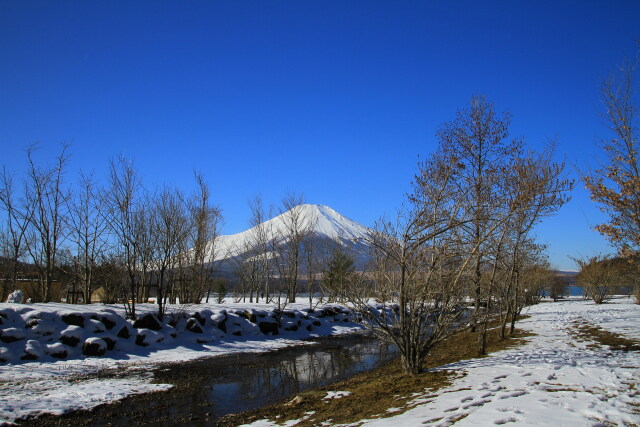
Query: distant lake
{"x": 575, "y": 291}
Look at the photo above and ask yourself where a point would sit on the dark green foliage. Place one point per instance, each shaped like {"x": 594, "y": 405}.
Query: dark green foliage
{"x": 221, "y": 289}
{"x": 338, "y": 273}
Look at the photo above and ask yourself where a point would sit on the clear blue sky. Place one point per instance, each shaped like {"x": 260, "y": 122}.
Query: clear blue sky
{"x": 334, "y": 99}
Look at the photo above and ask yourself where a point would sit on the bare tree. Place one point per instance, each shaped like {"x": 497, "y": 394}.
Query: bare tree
{"x": 420, "y": 266}
{"x": 536, "y": 277}
{"x": 262, "y": 241}
{"x": 203, "y": 256}
{"x": 616, "y": 185}
{"x": 88, "y": 229}
{"x": 169, "y": 232}
{"x": 146, "y": 232}
{"x": 248, "y": 270}
{"x": 558, "y": 287}
{"x": 535, "y": 189}
{"x": 597, "y": 277}
{"x": 296, "y": 227}
{"x": 45, "y": 192}
{"x": 252, "y": 266}
{"x": 478, "y": 139}
{"x": 124, "y": 211}
{"x": 14, "y": 241}
{"x": 111, "y": 277}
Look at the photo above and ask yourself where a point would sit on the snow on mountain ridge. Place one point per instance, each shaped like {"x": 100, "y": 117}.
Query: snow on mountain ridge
{"x": 326, "y": 223}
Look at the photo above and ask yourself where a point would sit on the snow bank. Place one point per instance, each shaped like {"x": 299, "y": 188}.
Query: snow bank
{"x": 46, "y": 332}
{"x": 48, "y": 349}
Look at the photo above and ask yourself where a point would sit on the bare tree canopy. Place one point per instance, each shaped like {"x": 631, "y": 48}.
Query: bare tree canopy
{"x": 615, "y": 186}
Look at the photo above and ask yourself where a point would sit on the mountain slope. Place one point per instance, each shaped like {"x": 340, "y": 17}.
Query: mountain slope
{"x": 324, "y": 223}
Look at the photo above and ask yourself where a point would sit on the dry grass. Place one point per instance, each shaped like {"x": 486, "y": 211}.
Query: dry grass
{"x": 373, "y": 393}
{"x": 598, "y": 337}
{"x": 585, "y": 331}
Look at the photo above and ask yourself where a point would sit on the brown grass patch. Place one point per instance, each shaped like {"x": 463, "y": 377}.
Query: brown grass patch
{"x": 600, "y": 337}
{"x": 374, "y": 392}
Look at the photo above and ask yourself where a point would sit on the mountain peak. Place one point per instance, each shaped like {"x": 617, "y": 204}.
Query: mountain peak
{"x": 322, "y": 221}
{"x": 327, "y": 222}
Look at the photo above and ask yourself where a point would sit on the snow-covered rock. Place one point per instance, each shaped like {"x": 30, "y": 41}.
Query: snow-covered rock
{"x": 15, "y": 297}
{"x": 10, "y": 335}
{"x": 94, "y": 347}
{"x": 45, "y": 332}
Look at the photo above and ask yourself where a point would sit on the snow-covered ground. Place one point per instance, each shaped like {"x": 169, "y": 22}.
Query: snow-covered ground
{"x": 57, "y": 386}
{"x": 554, "y": 379}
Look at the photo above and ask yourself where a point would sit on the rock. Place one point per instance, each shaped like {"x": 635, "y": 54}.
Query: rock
{"x": 147, "y": 336}
{"x": 57, "y": 350}
{"x": 61, "y": 354}
{"x": 291, "y": 328}
{"x": 94, "y": 347}
{"x": 316, "y": 323}
{"x": 71, "y": 341}
{"x": 124, "y": 332}
{"x": 32, "y": 322}
{"x": 194, "y": 326}
{"x": 269, "y": 327}
{"x": 111, "y": 343}
{"x": 97, "y": 326}
{"x": 44, "y": 328}
{"x": 141, "y": 341}
{"x": 15, "y": 297}
{"x": 107, "y": 322}
{"x": 237, "y": 333}
{"x": 32, "y": 351}
{"x": 73, "y": 319}
{"x": 10, "y": 335}
{"x": 295, "y": 401}
{"x": 220, "y": 321}
{"x": 29, "y": 356}
{"x": 250, "y": 315}
{"x": 199, "y": 318}
{"x": 329, "y": 311}
{"x": 176, "y": 318}
{"x": 147, "y": 321}
{"x": 222, "y": 326}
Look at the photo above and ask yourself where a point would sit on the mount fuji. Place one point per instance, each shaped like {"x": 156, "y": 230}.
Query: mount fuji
{"x": 321, "y": 222}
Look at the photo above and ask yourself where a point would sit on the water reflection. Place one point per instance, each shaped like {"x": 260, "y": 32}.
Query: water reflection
{"x": 287, "y": 374}
{"x": 207, "y": 389}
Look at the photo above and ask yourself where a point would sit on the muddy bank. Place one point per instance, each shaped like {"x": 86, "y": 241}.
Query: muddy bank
{"x": 207, "y": 389}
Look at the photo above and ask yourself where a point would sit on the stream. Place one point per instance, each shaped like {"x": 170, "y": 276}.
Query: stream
{"x": 207, "y": 389}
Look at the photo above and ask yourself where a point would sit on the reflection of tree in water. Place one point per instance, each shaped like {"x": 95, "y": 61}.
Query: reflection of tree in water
{"x": 310, "y": 369}
{"x": 276, "y": 376}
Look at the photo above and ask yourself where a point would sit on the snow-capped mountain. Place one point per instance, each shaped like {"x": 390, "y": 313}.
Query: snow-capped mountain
{"x": 323, "y": 223}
